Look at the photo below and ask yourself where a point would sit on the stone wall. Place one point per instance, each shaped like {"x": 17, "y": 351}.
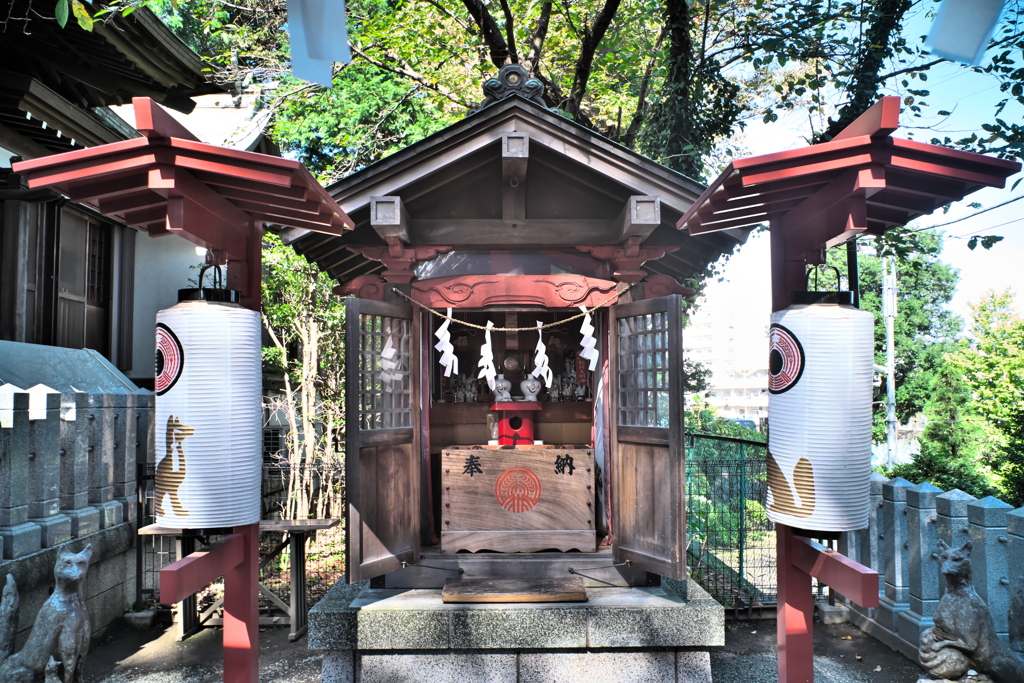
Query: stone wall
{"x": 906, "y": 521}
{"x": 67, "y": 477}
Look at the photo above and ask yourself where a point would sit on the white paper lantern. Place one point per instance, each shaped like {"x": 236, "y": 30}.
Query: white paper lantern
{"x": 819, "y": 416}
{"x": 208, "y": 415}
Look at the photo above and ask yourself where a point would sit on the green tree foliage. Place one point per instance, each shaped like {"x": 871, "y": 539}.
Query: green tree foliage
{"x": 924, "y": 330}
{"x": 993, "y": 367}
{"x": 954, "y": 449}
{"x": 304, "y": 368}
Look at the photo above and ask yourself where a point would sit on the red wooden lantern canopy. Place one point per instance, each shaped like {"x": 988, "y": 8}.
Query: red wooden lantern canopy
{"x": 167, "y": 182}
{"x": 863, "y": 181}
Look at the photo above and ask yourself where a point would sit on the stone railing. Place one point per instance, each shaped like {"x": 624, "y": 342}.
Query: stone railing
{"x": 906, "y": 521}
{"x": 68, "y": 466}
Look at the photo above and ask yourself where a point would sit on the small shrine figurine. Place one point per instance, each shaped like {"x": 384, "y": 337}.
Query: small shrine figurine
{"x": 502, "y": 389}
{"x": 531, "y": 386}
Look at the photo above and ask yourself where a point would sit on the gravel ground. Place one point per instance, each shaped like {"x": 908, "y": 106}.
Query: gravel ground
{"x": 749, "y": 656}
{"x": 154, "y": 656}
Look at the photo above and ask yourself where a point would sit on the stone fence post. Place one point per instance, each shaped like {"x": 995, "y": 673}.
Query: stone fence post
{"x": 989, "y": 542}
{"x": 100, "y": 426}
{"x": 74, "y": 466}
{"x": 894, "y": 547}
{"x": 865, "y": 546}
{"x": 952, "y": 522}
{"x": 44, "y": 474}
{"x": 18, "y": 536}
{"x": 922, "y": 533}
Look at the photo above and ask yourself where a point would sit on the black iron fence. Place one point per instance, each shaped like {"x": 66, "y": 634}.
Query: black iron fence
{"x": 730, "y": 540}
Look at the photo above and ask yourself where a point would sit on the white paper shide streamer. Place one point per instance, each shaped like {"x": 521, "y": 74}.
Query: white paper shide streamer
{"x": 445, "y": 347}
{"x": 819, "y": 407}
{"x": 541, "y": 367}
{"x": 486, "y": 364}
{"x": 208, "y": 415}
{"x": 389, "y": 371}
{"x": 589, "y": 351}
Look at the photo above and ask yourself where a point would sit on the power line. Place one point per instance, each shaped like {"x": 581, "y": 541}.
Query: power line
{"x": 976, "y": 213}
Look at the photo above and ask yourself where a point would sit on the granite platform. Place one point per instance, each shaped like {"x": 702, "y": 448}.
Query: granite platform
{"x": 620, "y": 634}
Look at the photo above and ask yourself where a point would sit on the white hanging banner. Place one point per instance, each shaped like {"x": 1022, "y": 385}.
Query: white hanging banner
{"x": 589, "y": 351}
{"x": 541, "y": 368}
{"x": 486, "y": 363}
{"x": 318, "y": 35}
{"x": 448, "y": 358}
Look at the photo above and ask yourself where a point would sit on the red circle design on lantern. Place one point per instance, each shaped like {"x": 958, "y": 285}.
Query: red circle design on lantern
{"x": 170, "y": 358}
{"x": 517, "y": 489}
{"x": 786, "y": 360}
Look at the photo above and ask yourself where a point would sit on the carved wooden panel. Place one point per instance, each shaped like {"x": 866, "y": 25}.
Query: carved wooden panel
{"x": 478, "y": 291}
{"x": 662, "y": 285}
{"x": 372, "y": 287}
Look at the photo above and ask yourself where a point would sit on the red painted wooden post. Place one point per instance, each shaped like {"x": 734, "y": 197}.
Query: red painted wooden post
{"x": 795, "y": 617}
{"x": 241, "y": 611}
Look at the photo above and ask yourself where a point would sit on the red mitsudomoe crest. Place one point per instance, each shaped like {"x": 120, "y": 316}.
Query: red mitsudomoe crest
{"x": 517, "y": 489}
{"x": 785, "y": 359}
{"x": 170, "y": 358}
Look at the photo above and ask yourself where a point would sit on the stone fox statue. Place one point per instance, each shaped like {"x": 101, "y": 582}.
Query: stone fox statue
{"x": 168, "y": 480}
{"x": 964, "y": 636}
{"x": 59, "y": 640}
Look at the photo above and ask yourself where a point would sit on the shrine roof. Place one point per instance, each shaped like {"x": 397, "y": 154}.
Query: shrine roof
{"x": 455, "y": 189}
{"x": 55, "y": 82}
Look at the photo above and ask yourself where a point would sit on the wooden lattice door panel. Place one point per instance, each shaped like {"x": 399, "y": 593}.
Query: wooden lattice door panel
{"x": 648, "y": 488}
{"x": 382, "y": 465}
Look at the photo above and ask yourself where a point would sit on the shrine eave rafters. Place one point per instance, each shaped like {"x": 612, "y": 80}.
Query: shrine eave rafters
{"x": 169, "y": 182}
{"x": 865, "y": 177}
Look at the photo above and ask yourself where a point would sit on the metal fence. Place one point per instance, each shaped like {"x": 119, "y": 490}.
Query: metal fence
{"x": 730, "y": 540}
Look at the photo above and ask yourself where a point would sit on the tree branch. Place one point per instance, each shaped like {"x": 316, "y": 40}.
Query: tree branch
{"x": 406, "y": 71}
{"x": 641, "y": 100}
{"x": 510, "y": 33}
{"x": 585, "y": 64}
{"x": 490, "y": 32}
{"x": 540, "y": 33}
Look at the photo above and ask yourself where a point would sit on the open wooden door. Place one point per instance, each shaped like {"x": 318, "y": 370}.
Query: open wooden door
{"x": 648, "y": 491}
{"x": 382, "y": 464}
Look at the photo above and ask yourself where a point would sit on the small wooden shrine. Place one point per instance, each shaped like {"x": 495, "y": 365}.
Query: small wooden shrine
{"x": 514, "y": 218}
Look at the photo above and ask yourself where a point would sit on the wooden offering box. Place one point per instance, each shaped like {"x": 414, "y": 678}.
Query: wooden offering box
{"x": 517, "y": 500}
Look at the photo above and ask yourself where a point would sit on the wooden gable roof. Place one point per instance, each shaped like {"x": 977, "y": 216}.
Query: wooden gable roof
{"x": 516, "y": 176}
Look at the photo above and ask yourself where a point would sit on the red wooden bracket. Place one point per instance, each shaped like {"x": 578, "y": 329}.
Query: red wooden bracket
{"x": 799, "y": 560}
{"x": 852, "y": 579}
{"x": 193, "y": 573}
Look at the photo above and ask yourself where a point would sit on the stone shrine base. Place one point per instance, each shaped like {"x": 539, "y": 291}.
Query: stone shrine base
{"x": 621, "y": 634}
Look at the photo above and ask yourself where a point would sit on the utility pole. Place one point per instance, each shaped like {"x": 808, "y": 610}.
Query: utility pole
{"x": 889, "y": 313}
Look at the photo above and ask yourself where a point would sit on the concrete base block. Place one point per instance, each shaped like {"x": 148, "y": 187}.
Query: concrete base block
{"x": 833, "y": 614}
{"x": 338, "y": 667}
{"x": 597, "y": 667}
{"x": 21, "y": 540}
{"x": 111, "y": 513}
{"x": 693, "y": 667}
{"x": 55, "y": 529}
{"x": 140, "y": 621}
{"x": 128, "y": 508}
{"x": 910, "y": 626}
{"x": 84, "y": 521}
{"x": 888, "y": 612}
{"x": 440, "y": 668}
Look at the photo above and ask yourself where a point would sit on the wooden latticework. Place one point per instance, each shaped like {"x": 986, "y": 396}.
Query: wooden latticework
{"x": 385, "y": 393}
{"x": 643, "y": 370}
